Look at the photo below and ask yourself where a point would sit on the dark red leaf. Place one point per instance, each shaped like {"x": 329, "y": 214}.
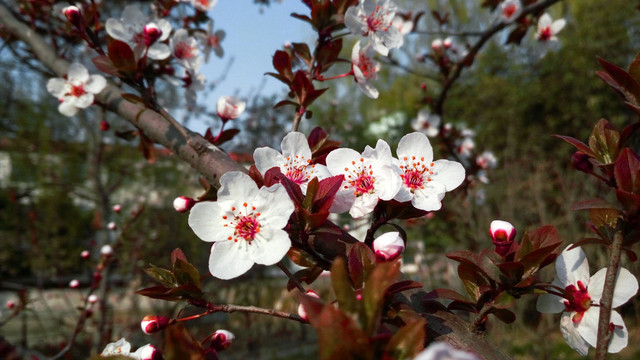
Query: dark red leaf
{"x": 103, "y": 64}
{"x": 592, "y": 204}
{"x": 226, "y": 136}
{"x": 577, "y": 143}
{"x": 121, "y": 56}
{"x": 627, "y": 171}
{"x": 621, "y": 81}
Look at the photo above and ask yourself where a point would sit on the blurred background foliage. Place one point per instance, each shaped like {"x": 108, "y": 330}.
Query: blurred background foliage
{"x": 57, "y": 192}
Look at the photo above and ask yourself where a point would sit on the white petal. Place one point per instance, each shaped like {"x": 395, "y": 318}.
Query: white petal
{"x": 295, "y": 143}
{"x": 339, "y": 159}
{"x": 620, "y": 337}
{"x": 428, "y": 199}
{"x": 392, "y": 38}
{"x": 550, "y": 304}
{"x": 205, "y": 219}
{"x": 626, "y": 286}
{"x": 275, "y": 206}
{"x": 343, "y": 201}
{"x": 558, "y": 25}
{"x": 165, "y": 27}
{"x": 229, "y": 259}
{"x": 119, "y": 347}
{"x": 67, "y": 108}
{"x": 237, "y": 186}
{"x": 388, "y": 182}
{"x": 363, "y": 205}
{"x": 544, "y": 21}
{"x": 588, "y": 325}
{"x": 159, "y": 51}
{"x": 353, "y": 22}
{"x": 572, "y": 266}
{"x": 57, "y": 87}
{"x": 78, "y": 72}
{"x": 132, "y": 15}
{"x": 449, "y": 173}
{"x": 404, "y": 194}
{"x": 269, "y": 246}
{"x": 83, "y": 101}
{"x": 267, "y": 158}
{"x": 366, "y": 87}
{"x": 415, "y": 144}
{"x": 95, "y": 84}
{"x": 571, "y": 335}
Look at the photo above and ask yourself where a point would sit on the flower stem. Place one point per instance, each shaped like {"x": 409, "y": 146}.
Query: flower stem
{"x": 604, "y": 334}
{"x": 321, "y": 78}
{"x": 477, "y": 326}
{"x": 291, "y": 277}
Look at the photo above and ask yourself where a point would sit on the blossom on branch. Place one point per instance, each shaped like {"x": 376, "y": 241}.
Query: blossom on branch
{"x": 294, "y": 162}
{"x": 368, "y": 177}
{"x": 365, "y": 68}
{"x": 185, "y": 48}
{"x": 123, "y": 348}
{"x": 130, "y": 28}
{"x": 203, "y": 5}
{"x": 424, "y": 181}
{"x": 211, "y": 41}
{"x": 580, "y": 304}
{"x": 245, "y": 225}
{"x": 77, "y": 90}
{"x": 427, "y": 123}
{"x": 547, "y": 28}
{"x": 373, "y": 18}
{"x": 229, "y": 107}
{"x": 510, "y": 10}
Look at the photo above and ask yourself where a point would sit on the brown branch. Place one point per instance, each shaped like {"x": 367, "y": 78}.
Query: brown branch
{"x": 256, "y": 310}
{"x": 210, "y": 161}
{"x": 604, "y": 333}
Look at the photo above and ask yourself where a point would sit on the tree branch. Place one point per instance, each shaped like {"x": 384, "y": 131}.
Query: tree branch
{"x": 604, "y": 333}
{"x": 210, "y": 161}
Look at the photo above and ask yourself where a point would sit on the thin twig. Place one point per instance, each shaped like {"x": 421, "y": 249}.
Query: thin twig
{"x": 256, "y": 310}
{"x": 291, "y": 277}
{"x": 604, "y": 332}
{"x": 477, "y": 326}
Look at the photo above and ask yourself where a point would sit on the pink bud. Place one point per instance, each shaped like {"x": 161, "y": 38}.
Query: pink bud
{"x": 104, "y": 125}
{"x": 447, "y": 43}
{"x": 229, "y": 107}
{"x": 183, "y": 203}
{"x": 301, "y": 311}
{"x": 106, "y": 251}
{"x": 112, "y": 226}
{"x": 74, "y": 15}
{"x": 436, "y": 45}
{"x": 97, "y": 277}
{"x": 117, "y": 208}
{"x": 11, "y": 304}
{"x": 222, "y": 339}
{"x": 74, "y": 284}
{"x": 388, "y": 246}
{"x": 151, "y": 34}
{"x": 503, "y": 234}
{"x": 151, "y": 323}
{"x": 92, "y": 299}
{"x": 149, "y": 352}
{"x": 85, "y": 254}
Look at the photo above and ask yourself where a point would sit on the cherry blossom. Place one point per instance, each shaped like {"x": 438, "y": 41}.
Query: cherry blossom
{"x": 487, "y": 160}
{"x": 404, "y": 24}
{"x": 245, "y": 225}
{"x": 509, "y": 10}
{"x": 388, "y": 246}
{"x": 373, "y": 18}
{"x": 294, "y": 162}
{"x": 547, "y": 28}
{"x": 130, "y": 28}
{"x": 186, "y": 50}
{"x": 203, "y": 5}
{"x": 229, "y": 107}
{"x": 368, "y": 177}
{"x": 424, "y": 181}
{"x": 123, "y": 348}
{"x": 365, "y": 68}
{"x": 211, "y": 41}
{"x": 427, "y": 123}
{"x": 77, "y": 90}
{"x": 444, "y": 351}
{"x": 580, "y": 309}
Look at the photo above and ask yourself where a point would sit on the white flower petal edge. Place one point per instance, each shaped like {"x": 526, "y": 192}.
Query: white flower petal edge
{"x": 245, "y": 224}
{"x": 571, "y": 335}
{"x": 443, "y": 351}
{"x": 626, "y": 286}
{"x": 572, "y": 266}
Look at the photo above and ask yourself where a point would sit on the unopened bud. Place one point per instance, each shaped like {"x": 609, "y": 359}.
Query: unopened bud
{"x": 222, "y": 339}
{"x": 117, "y": 208}
{"x": 74, "y": 15}
{"x": 104, "y": 125}
{"x": 112, "y": 226}
{"x": 447, "y": 43}
{"x": 85, "y": 254}
{"x": 301, "y": 310}
{"x": 151, "y": 34}
{"x": 151, "y": 324}
{"x": 436, "y": 45}
{"x": 106, "y": 250}
{"x": 74, "y": 284}
{"x": 149, "y": 352}
{"x": 229, "y": 107}
{"x": 92, "y": 299}
{"x": 11, "y": 304}
{"x": 388, "y": 246}
{"x": 97, "y": 277}
{"x": 581, "y": 162}
{"x": 183, "y": 203}
{"x": 502, "y": 233}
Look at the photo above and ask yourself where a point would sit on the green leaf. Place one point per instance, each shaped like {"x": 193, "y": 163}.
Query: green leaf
{"x": 163, "y": 276}
{"x": 604, "y": 217}
{"x": 341, "y": 285}
{"x": 504, "y": 300}
{"x": 604, "y": 142}
{"x": 186, "y": 273}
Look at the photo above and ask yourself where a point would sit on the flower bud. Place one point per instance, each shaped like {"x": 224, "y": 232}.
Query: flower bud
{"x": 503, "y": 234}
{"x": 447, "y": 43}
{"x": 151, "y": 323}
{"x": 151, "y": 33}
{"x": 85, "y": 254}
{"x": 149, "y": 352}
{"x": 117, "y": 208}
{"x": 11, "y": 304}
{"x": 229, "y": 107}
{"x": 183, "y": 203}
{"x": 106, "y": 250}
{"x": 92, "y": 299}
{"x": 388, "y": 246}
{"x": 97, "y": 277}
{"x": 74, "y": 15}
{"x": 301, "y": 311}
{"x": 222, "y": 339}
{"x": 112, "y": 226}
{"x": 74, "y": 284}
{"x": 104, "y": 125}
{"x": 436, "y": 44}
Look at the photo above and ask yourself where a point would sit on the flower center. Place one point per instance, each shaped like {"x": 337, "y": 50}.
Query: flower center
{"x": 183, "y": 51}
{"x": 509, "y": 10}
{"x": 361, "y": 178}
{"x": 367, "y": 66}
{"x": 545, "y": 34}
{"x": 580, "y": 302}
{"x": 415, "y": 172}
{"x": 214, "y": 41}
{"x": 244, "y": 222}
{"x": 204, "y": 3}
{"x": 77, "y": 90}
{"x": 298, "y": 169}
{"x": 378, "y": 20}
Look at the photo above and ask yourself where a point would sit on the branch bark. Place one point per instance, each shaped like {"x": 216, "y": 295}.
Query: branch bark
{"x": 210, "y": 161}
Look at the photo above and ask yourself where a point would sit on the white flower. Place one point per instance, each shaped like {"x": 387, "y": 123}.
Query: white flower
{"x": 424, "y": 182}
{"x": 365, "y": 68}
{"x": 368, "y": 177}
{"x": 77, "y": 90}
{"x": 185, "y": 48}
{"x": 465, "y": 146}
{"x": 245, "y": 225}
{"x": 579, "y": 322}
{"x": 130, "y": 28}
{"x": 211, "y": 41}
{"x": 388, "y": 246}
{"x": 509, "y": 10}
{"x": 106, "y": 250}
{"x": 229, "y": 107}
{"x": 123, "y": 348}
{"x": 436, "y": 45}
{"x": 547, "y": 29}
{"x": 373, "y": 18}
{"x": 487, "y": 160}
{"x": 204, "y": 5}
{"x": 443, "y": 351}
{"x": 294, "y": 162}
{"x": 403, "y": 24}
{"x": 426, "y": 123}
